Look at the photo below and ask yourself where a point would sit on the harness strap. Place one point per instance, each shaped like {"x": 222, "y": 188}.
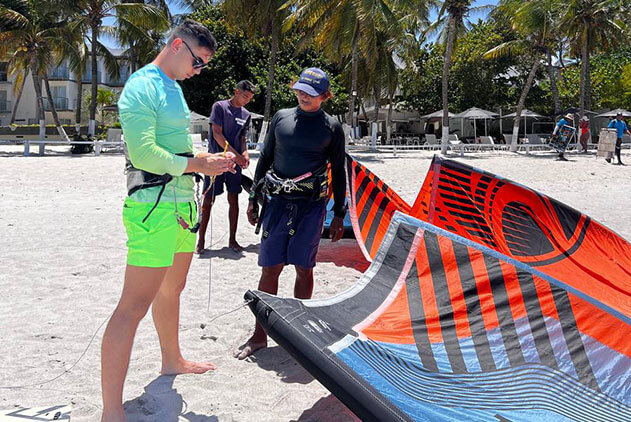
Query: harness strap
{"x": 164, "y": 185}
{"x": 138, "y": 179}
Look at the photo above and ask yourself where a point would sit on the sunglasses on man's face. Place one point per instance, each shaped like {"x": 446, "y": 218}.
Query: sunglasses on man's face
{"x": 198, "y": 63}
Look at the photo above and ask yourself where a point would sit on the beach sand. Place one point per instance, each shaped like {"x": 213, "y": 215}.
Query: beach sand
{"x": 63, "y": 256}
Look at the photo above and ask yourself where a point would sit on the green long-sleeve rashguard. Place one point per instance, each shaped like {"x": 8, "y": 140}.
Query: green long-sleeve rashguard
{"x": 156, "y": 120}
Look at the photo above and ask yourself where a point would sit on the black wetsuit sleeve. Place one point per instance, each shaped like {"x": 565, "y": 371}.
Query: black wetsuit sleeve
{"x": 337, "y": 159}
{"x": 266, "y": 158}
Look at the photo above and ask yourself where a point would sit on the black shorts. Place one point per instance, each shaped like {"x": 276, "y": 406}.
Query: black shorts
{"x": 232, "y": 182}
{"x": 303, "y": 218}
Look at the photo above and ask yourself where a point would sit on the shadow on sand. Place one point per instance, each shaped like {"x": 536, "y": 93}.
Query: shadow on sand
{"x": 227, "y": 253}
{"x": 328, "y": 409}
{"x": 277, "y": 360}
{"x": 162, "y": 402}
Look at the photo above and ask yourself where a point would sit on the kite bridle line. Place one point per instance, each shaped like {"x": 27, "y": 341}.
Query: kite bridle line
{"x": 85, "y": 350}
{"x": 210, "y": 259}
{"x": 87, "y": 347}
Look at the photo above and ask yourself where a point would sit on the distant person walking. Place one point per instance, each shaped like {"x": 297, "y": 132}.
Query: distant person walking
{"x": 557, "y": 133}
{"x": 621, "y": 128}
{"x": 585, "y": 133}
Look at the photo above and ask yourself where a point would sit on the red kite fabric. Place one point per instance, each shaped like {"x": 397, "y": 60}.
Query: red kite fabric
{"x": 523, "y": 224}
{"x": 484, "y": 301}
{"x": 440, "y": 328}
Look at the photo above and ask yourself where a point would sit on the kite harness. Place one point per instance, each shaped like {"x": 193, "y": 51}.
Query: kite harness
{"x": 140, "y": 179}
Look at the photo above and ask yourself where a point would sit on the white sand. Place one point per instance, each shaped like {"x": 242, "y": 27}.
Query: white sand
{"x": 63, "y": 256}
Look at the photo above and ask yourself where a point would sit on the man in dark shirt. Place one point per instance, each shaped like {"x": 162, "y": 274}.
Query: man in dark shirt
{"x": 299, "y": 144}
{"x": 230, "y": 122}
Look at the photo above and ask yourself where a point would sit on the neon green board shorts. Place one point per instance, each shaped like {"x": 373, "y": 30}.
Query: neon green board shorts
{"x": 155, "y": 242}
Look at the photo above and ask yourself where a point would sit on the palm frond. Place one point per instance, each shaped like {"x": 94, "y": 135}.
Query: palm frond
{"x": 12, "y": 19}
{"x": 506, "y": 49}
{"x": 112, "y": 65}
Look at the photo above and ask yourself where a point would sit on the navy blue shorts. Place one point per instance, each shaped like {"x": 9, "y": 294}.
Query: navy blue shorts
{"x": 232, "y": 182}
{"x": 305, "y": 219}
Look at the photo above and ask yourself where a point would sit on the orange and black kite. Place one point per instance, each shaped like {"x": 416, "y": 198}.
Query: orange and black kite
{"x": 485, "y": 301}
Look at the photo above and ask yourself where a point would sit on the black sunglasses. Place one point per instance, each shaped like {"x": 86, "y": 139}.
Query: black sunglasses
{"x": 198, "y": 63}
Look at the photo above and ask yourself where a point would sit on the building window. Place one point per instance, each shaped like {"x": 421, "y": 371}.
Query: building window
{"x": 4, "y": 104}
{"x": 3, "y": 71}
{"x": 197, "y": 128}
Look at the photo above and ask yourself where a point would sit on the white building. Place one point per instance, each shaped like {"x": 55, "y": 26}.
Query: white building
{"x": 64, "y": 88}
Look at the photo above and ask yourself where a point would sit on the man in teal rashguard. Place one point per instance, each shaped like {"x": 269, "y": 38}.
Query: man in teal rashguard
{"x": 621, "y": 128}
{"x": 160, "y": 208}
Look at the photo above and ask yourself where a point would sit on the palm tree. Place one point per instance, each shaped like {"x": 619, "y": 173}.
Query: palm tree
{"x": 381, "y": 74}
{"x": 534, "y": 23}
{"x": 105, "y": 97}
{"x": 591, "y": 25}
{"x": 260, "y": 18}
{"x": 143, "y": 44}
{"x": 75, "y": 52}
{"x": 350, "y": 29}
{"x": 452, "y": 22}
{"x": 87, "y": 19}
{"x": 29, "y": 37}
{"x": 18, "y": 88}
{"x": 452, "y": 17}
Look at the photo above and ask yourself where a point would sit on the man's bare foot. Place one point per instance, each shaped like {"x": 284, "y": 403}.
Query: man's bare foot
{"x": 187, "y": 367}
{"x": 249, "y": 348}
{"x": 199, "y": 249}
{"x": 235, "y": 246}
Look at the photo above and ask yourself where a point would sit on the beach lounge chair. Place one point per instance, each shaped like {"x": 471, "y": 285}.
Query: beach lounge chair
{"x": 431, "y": 142}
{"x": 533, "y": 142}
{"x": 453, "y": 140}
{"x": 456, "y": 144}
{"x": 486, "y": 143}
{"x": 114, "y": 140}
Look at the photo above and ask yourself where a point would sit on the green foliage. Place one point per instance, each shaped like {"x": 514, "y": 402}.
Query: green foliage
{"x": 473, "y": 81}
{"x": 610, "y": 79}
{"x": 625, "y": 81}
{"x": 241, "y": 57}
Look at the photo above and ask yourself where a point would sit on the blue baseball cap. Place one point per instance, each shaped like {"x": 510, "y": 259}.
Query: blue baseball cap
{"x": 313, "y": 81}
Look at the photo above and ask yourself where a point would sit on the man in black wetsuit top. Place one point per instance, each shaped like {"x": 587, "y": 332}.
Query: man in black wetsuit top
{"x": 293, "y": 165}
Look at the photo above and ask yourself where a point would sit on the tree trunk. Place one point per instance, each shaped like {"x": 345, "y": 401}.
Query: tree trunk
{"x": 272, "y": 69}
{"x": 446, "y": 66}
{"x": 95, "y": 37}
{"x": 40, "y": 103}
{"x": 79, "y": 104}
{"x": 364, "y": 112}
{"x": 561, "y": 55}
{"x": 19, "y": 96}
{"x": 53, "y": 110}
{"x": 377, "y": 97}
{"x": 585, "y": 85}
{"x": 375, "y": 125}
{"x": 553, "y": 84}
{"x": 132, "y": 60}
{"x": 389, "y": 118}
{"x": 354, "y": 63}
{"x": 522, "y": 102}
